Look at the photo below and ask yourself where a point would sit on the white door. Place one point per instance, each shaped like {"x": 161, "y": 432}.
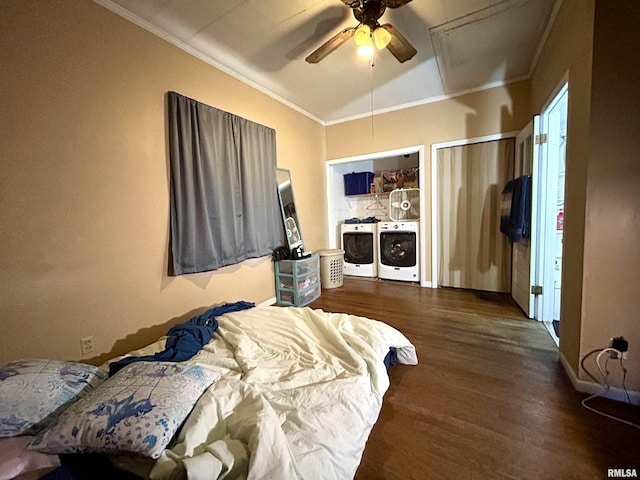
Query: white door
{"x": 523, "y": 274}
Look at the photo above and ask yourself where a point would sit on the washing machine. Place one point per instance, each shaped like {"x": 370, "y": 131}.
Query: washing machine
{"x": 398, "y": 251}
{"x": 360, "y": 244}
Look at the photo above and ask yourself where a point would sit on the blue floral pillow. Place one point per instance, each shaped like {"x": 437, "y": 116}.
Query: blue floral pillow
{"x": 137, "y": 410}
{"x": 34, "y": 392}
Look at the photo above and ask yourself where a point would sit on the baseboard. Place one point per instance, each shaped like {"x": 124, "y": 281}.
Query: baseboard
{"x": 592, "y": 388}
{"x": 267, "y": 302}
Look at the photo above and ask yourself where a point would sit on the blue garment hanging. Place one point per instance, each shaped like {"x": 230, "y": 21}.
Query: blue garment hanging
{"x": 186, "y": 339}
{"x": 517, "y": 225}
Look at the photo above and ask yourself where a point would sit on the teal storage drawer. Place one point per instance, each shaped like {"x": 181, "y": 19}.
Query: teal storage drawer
{"x": 297, "y": 281}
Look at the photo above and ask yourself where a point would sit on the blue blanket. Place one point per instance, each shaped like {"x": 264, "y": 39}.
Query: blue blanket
{"x": 186, "y": 339}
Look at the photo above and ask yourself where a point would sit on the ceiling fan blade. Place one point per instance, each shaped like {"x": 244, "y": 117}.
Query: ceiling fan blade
{"x": 388, "y": 3}
{"x": 399, "y": 46}
{"x": 393, "y": 3}
{"x": 330, "y": 45}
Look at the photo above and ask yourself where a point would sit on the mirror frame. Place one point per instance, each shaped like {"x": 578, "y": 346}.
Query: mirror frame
{"x": 289, "y": 210}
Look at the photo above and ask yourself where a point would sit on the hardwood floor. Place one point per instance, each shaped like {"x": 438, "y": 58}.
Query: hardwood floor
{"x": 489, "y": 398}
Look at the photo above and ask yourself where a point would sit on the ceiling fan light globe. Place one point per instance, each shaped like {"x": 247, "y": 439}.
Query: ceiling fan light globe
{"x": 365, "y": 50}
{"x": 362, "y": 36}
{"x": 381, "y": 37}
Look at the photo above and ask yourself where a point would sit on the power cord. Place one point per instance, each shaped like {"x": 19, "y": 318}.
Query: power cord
{"x": 605, "y": 381}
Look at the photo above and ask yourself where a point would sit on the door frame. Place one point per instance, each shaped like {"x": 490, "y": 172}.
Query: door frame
{"x": 544, "y": 173}
{"x": 434, "y": 190}
{"x": 547, "y": 218}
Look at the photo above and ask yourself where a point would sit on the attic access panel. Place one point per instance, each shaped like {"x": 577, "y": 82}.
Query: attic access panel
{"x": 470, "y": 50}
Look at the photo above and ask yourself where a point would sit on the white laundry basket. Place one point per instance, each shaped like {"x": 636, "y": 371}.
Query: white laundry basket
{"x": 331, "y": 267}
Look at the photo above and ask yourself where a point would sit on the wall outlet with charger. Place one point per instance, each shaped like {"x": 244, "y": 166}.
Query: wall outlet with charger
{"x": 619, "y": 344}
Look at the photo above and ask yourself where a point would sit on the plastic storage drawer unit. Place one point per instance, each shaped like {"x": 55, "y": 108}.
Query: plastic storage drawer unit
{"x": 297, "y": 281}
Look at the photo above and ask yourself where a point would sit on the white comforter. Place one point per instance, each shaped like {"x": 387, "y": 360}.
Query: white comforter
{"x": 299, "y": 394}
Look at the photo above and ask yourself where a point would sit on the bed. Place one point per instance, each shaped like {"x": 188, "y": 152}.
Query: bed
{"x": 277, "y": 393}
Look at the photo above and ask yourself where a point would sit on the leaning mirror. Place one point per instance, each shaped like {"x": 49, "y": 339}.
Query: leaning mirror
{"x": 288, "y": 208}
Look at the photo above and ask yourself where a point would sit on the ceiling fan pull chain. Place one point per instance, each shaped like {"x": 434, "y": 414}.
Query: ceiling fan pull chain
{"x": 371, "y": 65}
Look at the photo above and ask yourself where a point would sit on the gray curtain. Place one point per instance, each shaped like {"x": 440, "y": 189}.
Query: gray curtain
{"x": 224, "y": 201}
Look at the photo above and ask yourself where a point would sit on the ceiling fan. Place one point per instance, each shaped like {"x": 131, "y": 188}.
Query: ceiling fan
{"x": 369, "y": 32}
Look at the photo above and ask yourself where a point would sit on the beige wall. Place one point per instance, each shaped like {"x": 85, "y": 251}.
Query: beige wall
{"x": 497, "y": 110}
{"x": 487, "y": 112}
{"x": 84, "y": 185}
{"x": 611, "y": 301}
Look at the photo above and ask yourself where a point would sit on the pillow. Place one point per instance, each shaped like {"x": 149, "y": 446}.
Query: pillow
{"x": 137, "y": 410}
{"x": 34, "y": 392}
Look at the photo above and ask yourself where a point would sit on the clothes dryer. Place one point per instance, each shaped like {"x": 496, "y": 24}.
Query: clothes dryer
{"x": 399, "y": 253}
{"x": 360, "y": 244}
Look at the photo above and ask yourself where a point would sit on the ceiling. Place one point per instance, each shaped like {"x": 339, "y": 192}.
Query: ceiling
{"x": 463, "y": 45}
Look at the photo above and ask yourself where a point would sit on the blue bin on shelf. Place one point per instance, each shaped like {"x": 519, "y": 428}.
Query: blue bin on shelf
{"x": 357, "y": 183}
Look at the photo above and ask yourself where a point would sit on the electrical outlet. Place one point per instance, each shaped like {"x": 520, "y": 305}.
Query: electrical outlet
{"x": 614, "y": 355}
{"x": 619, "y": 344}
{"x": 86, "y": 345}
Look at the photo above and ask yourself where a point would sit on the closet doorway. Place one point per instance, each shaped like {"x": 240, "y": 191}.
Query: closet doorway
{"x": 468, "y": 249}
{"x": 341, "y": 207}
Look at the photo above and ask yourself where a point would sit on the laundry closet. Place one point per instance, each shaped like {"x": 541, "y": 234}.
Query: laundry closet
{"x": 374, "y": 214}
